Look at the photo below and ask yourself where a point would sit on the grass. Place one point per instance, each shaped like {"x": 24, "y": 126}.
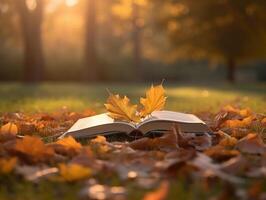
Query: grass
{"x": 48, "y": 97}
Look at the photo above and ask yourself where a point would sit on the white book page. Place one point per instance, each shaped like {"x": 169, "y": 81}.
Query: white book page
{"x": 94, "y": 121}
{"x": 165, "y": 115}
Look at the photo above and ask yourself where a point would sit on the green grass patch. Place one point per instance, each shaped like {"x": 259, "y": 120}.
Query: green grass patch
{"x": 49, "y": 97}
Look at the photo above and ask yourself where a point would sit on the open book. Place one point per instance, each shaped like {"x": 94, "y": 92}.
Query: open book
{"x": 158, "y": 121}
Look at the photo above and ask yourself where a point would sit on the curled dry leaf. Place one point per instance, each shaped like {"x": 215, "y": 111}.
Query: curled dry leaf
{"x": 160, "y": 193}
{"x": 7, "y": 165}
{"x": 155, "y": 100}
{"x": 252, "y": 143}
{"x": 73, "y": 172}
{"x": 33, "y": 149}
{"x": 121, "y": 109}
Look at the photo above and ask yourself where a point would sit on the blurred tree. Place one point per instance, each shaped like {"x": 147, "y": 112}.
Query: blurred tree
{"x": 224, "y": 30}
{"x": 132, "y": 13}
{"x": 30, "y": 14}
{"x": 136, "y": 39}
{"x": 93, "y": 70}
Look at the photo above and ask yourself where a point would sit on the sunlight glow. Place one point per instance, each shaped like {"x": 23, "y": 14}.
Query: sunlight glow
{"x": 31, "y": 4}
{"x": 71, "y": 3}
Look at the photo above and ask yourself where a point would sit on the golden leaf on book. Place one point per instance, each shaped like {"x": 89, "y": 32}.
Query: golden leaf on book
{"x": 121, "y": 109}
{"x": 154, "y": 101}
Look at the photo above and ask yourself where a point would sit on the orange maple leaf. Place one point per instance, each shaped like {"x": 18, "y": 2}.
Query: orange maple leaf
{"x": 155, "y": 100}
{"x": 33, "y": 148}
{"x": 121, "y": 108}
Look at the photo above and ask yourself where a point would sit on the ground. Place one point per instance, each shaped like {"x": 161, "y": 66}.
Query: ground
{"x": 50, "y": 97}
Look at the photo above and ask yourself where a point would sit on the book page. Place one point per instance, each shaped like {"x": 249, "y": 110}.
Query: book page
{"x": 94, "y": 121}
{"x": 165, "y": 115}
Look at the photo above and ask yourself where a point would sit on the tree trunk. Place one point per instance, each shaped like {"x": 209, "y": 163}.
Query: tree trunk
{"x": 31, "y": 23}
{"x": 92, "y": 70}
{"x": 231, "y": 70}
{"x": 136, "y": 38}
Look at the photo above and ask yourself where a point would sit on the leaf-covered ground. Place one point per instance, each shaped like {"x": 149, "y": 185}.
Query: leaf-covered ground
{"x": 229, "y": 164}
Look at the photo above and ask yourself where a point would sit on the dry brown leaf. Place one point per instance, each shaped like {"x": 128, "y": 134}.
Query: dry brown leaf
{"x": 121, "y": 109}
{"x": 155, "y": 100}
{"x": 167, "y": 141}
{"x": 226, "y": 140}
{"x": 100, "y": 145}
{"x": 236, "y": 123}
{"x": 9, "y": 128}
{"x": 219, "y": 153}
{"x": 67, "y": 146}
{"x": 7, "y": 165}
{"x": 8, "y": 132}
{"x": 252, "y": 143}
{"x": 263, "y": 122}
{"x": 160, "y": 193}
{"x": 73, "y": 172}
{"x": 33, "y": 149}
{"x": 242, "y": 112}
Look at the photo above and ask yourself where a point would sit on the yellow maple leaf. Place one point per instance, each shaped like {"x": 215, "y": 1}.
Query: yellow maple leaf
{"x": 34, "y": 148}
{"x": 155, "y": 100}
{"x": 7, "y": 165}
{"x": 9, "y": 128}
{"x": 73, "y": 172}
{"x": 121, "y": 109}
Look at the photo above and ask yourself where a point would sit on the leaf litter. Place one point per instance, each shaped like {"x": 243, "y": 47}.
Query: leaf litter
{"x": 234, "y": 156}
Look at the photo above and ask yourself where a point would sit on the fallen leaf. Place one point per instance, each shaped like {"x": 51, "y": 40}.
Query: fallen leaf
{"x": 33, "y": 149}
{"x": 219, "y": 153}
{"x": 226, "y": 140}
{"x": 8, "y": 132}
{"x": 67, "y": 146}
{"x": 236, "y": 123}
{"x": 252, "y": 143}
{"x": 69, "y": 143}
{"x": 235, "y": 165}
{"x": 208, "y": 168}
{"x": 155, "y": 100}
{"x": 73, "y": 172}
{"x": 7, "y": 165}
{"x": 121, "y": 109}
{"x": 167, "y": 141}
{"x": 263, "y": 122}
{"x": 242, "y": 112}
{"x": 100, "y": 145}
{"x": 160, "y": 193}
{"x": 9, "y": 128}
